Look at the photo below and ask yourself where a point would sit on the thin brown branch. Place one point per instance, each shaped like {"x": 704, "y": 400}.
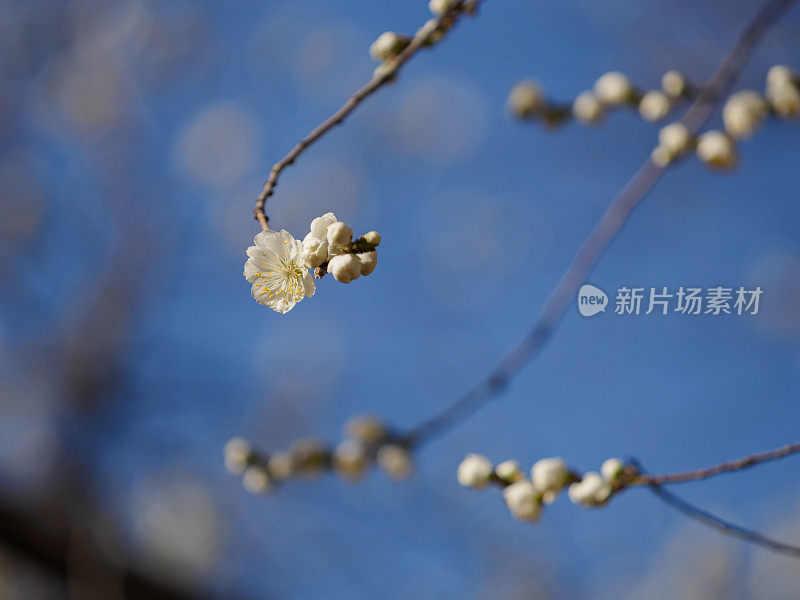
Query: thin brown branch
{"x": 723, "y": 525}
{"x": 601, "y": 236}
{"x": 422, "y": 38}
{"x": 725, "y": 467}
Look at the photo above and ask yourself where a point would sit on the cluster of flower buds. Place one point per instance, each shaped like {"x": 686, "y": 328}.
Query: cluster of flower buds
{"x": 527, "y": 99}
{"x": 390, "y": 44}
{"x": 526, "y": 497}
{"x": 329, "y": 247}
{"x": 743, "y": 113}
{"x": 366, "y": 441}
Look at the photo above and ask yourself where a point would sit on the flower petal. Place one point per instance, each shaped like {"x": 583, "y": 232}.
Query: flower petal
{"x": 251, "y": 272}
{"x": 309, "y": 284}
{"x": 319, "y": 226}
{"x": 269, "y": 240}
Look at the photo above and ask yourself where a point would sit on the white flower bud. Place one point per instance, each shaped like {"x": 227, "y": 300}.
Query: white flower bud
{"x": 550, "y": 474}
{"x": 509, "y": 470}
{"x": 587, "y": 108}
{"x": 350, "y": 458}
{"x": 474, "y": 471}
{"x": 395, "y": 461}
{"x": 743, "y": 113}
{"x": 611, "y": 469}
{"x": 717, "y": 150}
{"x": 256, "y": 480}
{"x": 523, "y": 501}
{"x": 372, "y": 237}
{"x": 654, "y": 105}
{"x": 674, "y": 84}
{"x": 779, "y": 75}
{"x": 345, "y": 267}
{"x": 384, "y": 68}
{"x": 339, "y": 236}
{"x": 315, "y": 251}
{"x": 614, "y": 88}
{"x": 368, "y": 261}
{"x": 388, "y": 45}
{"x": 237, "y": 455}
{"x": 675, "y": 138}
{"x": 280, "y": 466}
{"x": 365, "y": 428}
{"x": 784, "y": 99}
{"x": 592, "y": 490}
{"x": 526, "y": 99}
{"x": 661, "y": 156}
{"x": 440, "y": 7}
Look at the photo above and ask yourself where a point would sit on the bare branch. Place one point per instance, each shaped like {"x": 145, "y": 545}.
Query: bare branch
{"x": 726, "y": 467}
{"x": 601, "y": 236}
{"x": 711, "y": 520}
{"x": 422, "y": 38}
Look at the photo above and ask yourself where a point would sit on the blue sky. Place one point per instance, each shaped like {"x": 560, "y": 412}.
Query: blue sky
{"x": 479, "y": 217}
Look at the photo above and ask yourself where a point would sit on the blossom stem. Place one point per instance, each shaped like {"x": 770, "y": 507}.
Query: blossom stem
{"x": 725, "y": 467}
{"x": 420, "y": 40}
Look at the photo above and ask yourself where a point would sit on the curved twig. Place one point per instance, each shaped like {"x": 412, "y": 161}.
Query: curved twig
{"x": 601, "y": 236}
{"x": 726, "y": 467}
{"x": 420, "y": 39}
{"x": 711, "y": 520}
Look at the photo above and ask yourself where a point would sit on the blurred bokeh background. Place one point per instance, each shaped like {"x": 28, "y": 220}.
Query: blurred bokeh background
{"x": 134, "y": 137}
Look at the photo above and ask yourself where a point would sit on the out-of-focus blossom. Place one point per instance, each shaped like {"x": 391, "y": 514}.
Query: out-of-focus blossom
{"x": 523, "y": 501}
{"x": 218, "y": 145}
{"x": 474, "y": 471}
{"x": 591, "y": 490}
{"x": 717, "y": 150}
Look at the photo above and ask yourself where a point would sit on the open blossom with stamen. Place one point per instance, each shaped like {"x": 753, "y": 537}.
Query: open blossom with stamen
{"x": 275, "y": 268}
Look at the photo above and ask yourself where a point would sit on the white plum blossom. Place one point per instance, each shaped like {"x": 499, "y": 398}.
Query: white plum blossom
{"x": 674, "y": 84}
{"x": 587, "y": 108}
{"x": 339, "y": 236}
{"x": 550, "y": 475}
{"x": 280, "y": 466}
{"x": 350, "y": 458}
{"x": 526, "y": 99}
{"x": 743, "y": 113}
{"x": 372, "y": 237}
{"x": 277, "y": 272}
{"x": 654, "y": 105}
{"x": 717, "y": 150}
{"x": 345, "y": 267}
{"x": 315, "y": 244}
{"x": 395, "y": 461}
{"x": 388, "y": 45}
{"x": 365, "y": 428}
{"x": 780, "y": 75}
{"x": 440, "y": 7}
{"x": 256, "y": 480}
{"x": 237, "y": 455}
{"x": 614, "y": 88}
{"x": 368, "y": 261}
{"x": 522, "y": 500}
{"x": 611, "y": 469}
{"x": 784, "y": 98}
{"x": 509, "y": 470}
{"x": 592, "y": 490}
{"x": 674, "y": 140}
{"x": 474, "y": 471}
